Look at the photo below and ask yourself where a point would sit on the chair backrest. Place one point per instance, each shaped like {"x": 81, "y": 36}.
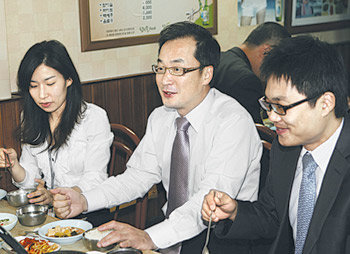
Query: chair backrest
{"x": 125, "y": 141}
{"x": 267, "y": 136}
{"x": 265, "y": 132}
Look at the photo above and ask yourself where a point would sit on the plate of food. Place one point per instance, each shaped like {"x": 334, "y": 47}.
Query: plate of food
{"x": 2, "y": 193}
{"x": 64, "y": 231}
{"x": 8, "y": 221}
{"x": 37, "y": 244}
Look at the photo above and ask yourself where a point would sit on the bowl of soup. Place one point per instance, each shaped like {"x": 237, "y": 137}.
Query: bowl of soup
{"x": 64, "y": 231}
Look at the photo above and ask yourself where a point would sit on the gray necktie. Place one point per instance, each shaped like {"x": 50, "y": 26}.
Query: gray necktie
{"x": 307, "y": 198}
{"x": 178, "y": 184}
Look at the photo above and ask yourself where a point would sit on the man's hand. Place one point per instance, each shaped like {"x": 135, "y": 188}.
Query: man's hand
{"x": 68, "y": 203}
{"x": 220, "y": 204}
{"x": 41, "y": 196}
{"x": 126, "y": 235}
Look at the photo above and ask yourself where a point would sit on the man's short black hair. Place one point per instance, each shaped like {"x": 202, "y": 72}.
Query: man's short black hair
{"x": 268, "y": 32}
{"x": 207, "y": 48}
{"x": 313, "y": 67}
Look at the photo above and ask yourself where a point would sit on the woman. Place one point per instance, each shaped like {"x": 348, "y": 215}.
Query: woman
{"x": 66, "y": 141}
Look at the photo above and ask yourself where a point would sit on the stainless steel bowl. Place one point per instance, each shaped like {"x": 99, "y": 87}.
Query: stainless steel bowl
{"x": 67, "y": 252}
{"x": 32, "y": 215}
{"x": 91, "y": 244}
{"x": 18, "y": 197}
{"x": 125, "y": 251}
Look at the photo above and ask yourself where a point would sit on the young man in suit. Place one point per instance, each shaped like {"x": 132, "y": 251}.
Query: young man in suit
{"x": 305, "y": 205}
{"x": 238, "y": 73}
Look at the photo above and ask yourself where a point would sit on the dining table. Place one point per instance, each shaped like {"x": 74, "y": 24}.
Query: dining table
{"x": 19, "y": 230}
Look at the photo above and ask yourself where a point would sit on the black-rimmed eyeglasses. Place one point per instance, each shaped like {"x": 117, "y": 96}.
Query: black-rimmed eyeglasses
{"x": 176, "y": 71}
{"x": 280, "y": 109}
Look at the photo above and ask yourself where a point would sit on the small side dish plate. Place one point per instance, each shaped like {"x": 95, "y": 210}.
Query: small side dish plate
{"x": 46, "y": 244}
{"x": 8, "y": 221}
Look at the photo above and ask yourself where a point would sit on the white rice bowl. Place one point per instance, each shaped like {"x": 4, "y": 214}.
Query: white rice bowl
{"x": 95, "y": 234}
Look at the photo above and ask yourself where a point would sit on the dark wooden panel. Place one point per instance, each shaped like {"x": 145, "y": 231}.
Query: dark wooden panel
{"x": 113, "y": 102}
{"x": 140, "y": 102}
{"x": 87, "y": 93}
{"x": 9, "y": 120}
{"x": 126, "y": 102}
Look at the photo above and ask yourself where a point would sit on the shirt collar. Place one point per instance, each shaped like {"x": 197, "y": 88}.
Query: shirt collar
{"x": 197, "y": 115}
{"x": 323, "y": 152}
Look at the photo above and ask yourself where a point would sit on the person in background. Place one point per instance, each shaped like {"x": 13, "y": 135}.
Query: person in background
{"x": 220, "y": 148}
{"x": 305, "y": 205}
{"x": 238, "y": 73}
{"x": 66, "y": 141}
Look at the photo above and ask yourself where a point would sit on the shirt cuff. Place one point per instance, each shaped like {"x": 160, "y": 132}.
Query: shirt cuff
{"x": 158, "y": 231}
{"x": 95, "y": 200}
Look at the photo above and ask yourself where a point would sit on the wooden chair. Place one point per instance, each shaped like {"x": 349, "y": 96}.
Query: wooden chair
{"x": 125, "y": 141}
{"x": 267, "y": 136}
{"x": 265, "y": 133}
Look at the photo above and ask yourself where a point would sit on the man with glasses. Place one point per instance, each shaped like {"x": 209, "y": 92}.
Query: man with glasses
{"x": 215, "y": 145}
{"x": 305, "y": 205}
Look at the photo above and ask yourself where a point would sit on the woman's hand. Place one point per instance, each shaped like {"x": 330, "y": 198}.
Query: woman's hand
{"x": 18, "y": 173}
{"x": 12, "y": 156}
{"x": 41, "y": 196}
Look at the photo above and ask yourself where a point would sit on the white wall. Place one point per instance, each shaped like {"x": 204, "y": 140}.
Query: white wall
{"x": 5, "y": 91}
{"x": 30, "y": 21}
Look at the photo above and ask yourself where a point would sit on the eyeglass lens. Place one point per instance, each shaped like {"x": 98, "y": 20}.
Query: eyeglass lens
{"x": 275, "y": 107}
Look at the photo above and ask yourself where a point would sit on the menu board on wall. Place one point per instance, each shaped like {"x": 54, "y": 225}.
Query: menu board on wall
{"x": 116, "y": 23}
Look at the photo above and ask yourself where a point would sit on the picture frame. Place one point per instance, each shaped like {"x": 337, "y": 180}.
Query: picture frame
{"x": 303, "y": 16}
{"x": 103, "y": 25}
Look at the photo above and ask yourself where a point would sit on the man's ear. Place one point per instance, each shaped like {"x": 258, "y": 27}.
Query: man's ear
{"x": 327, "y": 103}
{"x": 207, "y": 74}
{"x": 264, "y": 49}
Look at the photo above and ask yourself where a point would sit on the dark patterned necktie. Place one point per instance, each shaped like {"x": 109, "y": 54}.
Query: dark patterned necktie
{"x": 306, "y": 203}
{"x": 178, "y": 183}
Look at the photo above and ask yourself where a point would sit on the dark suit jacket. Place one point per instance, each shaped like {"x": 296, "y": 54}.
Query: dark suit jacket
{"x": 234, "y": 76}
{"x": 329, "y": 231}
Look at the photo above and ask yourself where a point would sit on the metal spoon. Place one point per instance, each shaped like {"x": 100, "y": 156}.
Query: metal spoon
{"x": 205, "y": 248}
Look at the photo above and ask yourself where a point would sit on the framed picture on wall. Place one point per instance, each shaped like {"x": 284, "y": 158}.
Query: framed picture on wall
{"x": 118, "y": 23}
{"x": 304, "y": 16}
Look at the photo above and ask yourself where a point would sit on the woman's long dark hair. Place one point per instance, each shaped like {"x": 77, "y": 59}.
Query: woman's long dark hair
{"x": 35, "y": 127}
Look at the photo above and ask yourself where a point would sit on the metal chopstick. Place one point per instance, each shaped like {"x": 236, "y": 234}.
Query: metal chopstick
{"x": 7, "y": 160}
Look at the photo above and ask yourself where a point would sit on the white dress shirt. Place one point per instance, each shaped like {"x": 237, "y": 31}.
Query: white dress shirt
{"x": 225, "y": 151}
{"x": 321, "y": 155}
{"x": 81, "y": 162}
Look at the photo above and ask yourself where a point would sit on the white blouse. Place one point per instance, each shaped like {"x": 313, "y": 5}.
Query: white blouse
{"x": 82, "y": 162}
